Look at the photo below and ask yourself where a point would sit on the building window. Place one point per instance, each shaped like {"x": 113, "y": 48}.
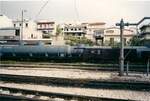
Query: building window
{"x": 75, "y": 29}
{"x": 17, "y": 32}
{"x": 26, "y": 24}
{"x": 125, "y": 41}
{"x": 45, "y": 25}
{"x": 79, "y": 34}
{"x": 14, "y": 25}
{"x": 41, "y": 26}
{"x": 79, "y": 28}
{"x": 72, "y": 29}
{"x": 20, "y": 24}
{"x": 31, "y": 35}
{"x": 48, "y": 25}
{"x": 111, "y": 41}
{"x": 110, "y": 31}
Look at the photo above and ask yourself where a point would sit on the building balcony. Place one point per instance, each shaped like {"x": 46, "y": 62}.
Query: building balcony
{"x": 9, "y": 38}
{"x": 98, "y": 35}
{"x": 45, "y": 36}
{"x": 45, "y": 28}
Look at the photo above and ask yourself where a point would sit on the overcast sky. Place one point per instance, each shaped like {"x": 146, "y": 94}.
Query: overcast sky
{"x": 109, "y": 11}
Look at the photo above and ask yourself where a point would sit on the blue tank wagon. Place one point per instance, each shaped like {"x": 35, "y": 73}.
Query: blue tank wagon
{"x": 72, "y": 53}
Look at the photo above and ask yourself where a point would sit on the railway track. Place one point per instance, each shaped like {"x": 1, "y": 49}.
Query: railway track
{"x": 17, "y": 94}
{"x": 133, "y": 68}
{"x": 83, "y": 83}
{"x": 110, "y": 68}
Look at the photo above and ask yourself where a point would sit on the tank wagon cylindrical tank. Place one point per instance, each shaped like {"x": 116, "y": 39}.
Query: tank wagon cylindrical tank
{"x": 37, "y": 52}
{"x": 109, "y": 54}
{"x": 144, "y": 53}
{"x": 72, "y": 53}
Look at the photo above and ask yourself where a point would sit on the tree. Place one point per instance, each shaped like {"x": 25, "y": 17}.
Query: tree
{"x": 58, "y": 30}
{"x": 135, "y": 41}
{"x": 72, "y": 40}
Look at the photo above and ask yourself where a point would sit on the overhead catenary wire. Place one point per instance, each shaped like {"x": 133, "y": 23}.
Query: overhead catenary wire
{"x": 41, "y": 9}
{"x": 45, "y": 4}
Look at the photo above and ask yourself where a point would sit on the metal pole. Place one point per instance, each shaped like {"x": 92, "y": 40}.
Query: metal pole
{"x": 148, "y": 67}
{"x": 21, "y": 36}
{"x": 127, "y": 68}
{"x": 121, "y": 73}
{"x": 122, "y": 24}
{"x": 0, "y": 54}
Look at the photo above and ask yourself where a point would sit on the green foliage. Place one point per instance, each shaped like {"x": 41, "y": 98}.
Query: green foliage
{"x": 114, "y": 44}
{"x": 135, "y": 41}
{"x": 72, "y": 40}
{"x": 58, "y": 30}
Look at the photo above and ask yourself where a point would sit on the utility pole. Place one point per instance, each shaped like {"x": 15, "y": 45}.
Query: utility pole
{"x": 121, "y": 24}
{"x": 148, "y": 64}
{"x": 22, "y": 21}
{"x": 21, "y": 36}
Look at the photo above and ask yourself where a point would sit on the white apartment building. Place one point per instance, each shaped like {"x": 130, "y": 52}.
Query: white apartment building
{"x": 29, "y": 33}
{"x": 95, "y": 31}
{"x": 45, "y": 30}
{"x": 112, "y": 35}
{"x": 77, "y": 30}
{"x": 8, "y": 33}
{"x": 12, "y": 31}
{"x": 29, "y": 30}
{"x": 48, "y": 28}
{"x": 145, "y": 32}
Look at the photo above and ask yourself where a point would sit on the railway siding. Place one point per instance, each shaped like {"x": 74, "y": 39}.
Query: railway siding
{"x": 83, "y": 83}
{"x": 51, "y": 95}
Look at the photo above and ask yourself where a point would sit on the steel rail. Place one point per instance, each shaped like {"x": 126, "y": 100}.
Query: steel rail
{"x": 133, "y": 68}
{"x": 83, "y": 83}
{"x": 53, "y": 95}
